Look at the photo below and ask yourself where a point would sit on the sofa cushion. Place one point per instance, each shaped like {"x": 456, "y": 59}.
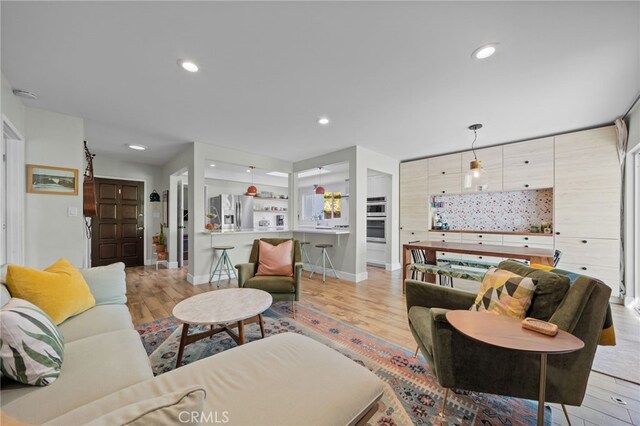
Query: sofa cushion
{"x": 275, "y": 259}
{"x": 4, "y": 295}
{"x": 97, "y": 320}
{"x": 549, "y": 292}
{"x": 107, "y": 283}
{"x": 420, "y": 319}
{"x": 60, "y": 290}
{"x": 93, "y": 368}
{"x": 272, "y": 284}
{"x": 32, "y": 348}
{"x": 315, "y": 385}
{"x": 181, "y": 407}
{"x": 504, "y": 293}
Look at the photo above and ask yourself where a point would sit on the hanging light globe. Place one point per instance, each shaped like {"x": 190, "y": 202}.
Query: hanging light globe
{"x": 476, "y": 179}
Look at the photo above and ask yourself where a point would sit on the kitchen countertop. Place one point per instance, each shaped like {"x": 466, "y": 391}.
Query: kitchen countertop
{"x": 466, "y": 231}
{"x": 326, "y": 231}
{"x": 248, "y": 231}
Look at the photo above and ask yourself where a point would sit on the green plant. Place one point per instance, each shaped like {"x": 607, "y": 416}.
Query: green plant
{"x": 162, "y": 239}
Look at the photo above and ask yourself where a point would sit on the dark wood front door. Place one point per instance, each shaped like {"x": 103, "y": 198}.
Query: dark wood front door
{"x": 117, "y": 232}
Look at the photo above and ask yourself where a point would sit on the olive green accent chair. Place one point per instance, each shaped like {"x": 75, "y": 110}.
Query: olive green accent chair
{"x": 281, "y": 288}
{"x": 460, "y": 362}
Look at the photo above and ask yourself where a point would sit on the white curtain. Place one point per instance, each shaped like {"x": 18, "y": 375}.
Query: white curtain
{"x": 623, "y": 134}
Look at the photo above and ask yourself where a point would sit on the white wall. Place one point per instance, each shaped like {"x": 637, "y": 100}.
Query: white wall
{"x": 152, "y": 178}
{"x": 54, "y": 140}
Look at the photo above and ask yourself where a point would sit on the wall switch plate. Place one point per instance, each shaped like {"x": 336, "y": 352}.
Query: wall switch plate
{"x": 72, "y": 211}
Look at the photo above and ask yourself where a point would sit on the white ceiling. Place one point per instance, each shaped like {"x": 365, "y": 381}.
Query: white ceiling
{"x": 395, "y": 77}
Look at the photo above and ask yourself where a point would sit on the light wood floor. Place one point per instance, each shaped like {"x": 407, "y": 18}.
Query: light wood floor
{"x": 377, "y": 306}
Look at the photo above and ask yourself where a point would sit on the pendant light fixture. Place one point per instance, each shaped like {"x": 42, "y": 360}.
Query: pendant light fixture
{"x": 476, "y": 179}
{"x": 252, "y": 190}
{"x": 319, "y": 188}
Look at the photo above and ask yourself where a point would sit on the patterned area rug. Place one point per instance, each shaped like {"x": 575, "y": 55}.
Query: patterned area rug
{"x": 412, "y": 394}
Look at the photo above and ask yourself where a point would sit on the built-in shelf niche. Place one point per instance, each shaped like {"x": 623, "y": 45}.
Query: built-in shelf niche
{"x": 512, "y": 211}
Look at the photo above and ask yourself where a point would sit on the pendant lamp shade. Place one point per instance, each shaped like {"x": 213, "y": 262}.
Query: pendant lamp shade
{"x": 252, "y": 190}
{"x": 319, "y": 188}
{"x": 476, "y": 179}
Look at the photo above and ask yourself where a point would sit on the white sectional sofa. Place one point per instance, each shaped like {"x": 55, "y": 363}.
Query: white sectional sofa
{"x": 282, "y": 379}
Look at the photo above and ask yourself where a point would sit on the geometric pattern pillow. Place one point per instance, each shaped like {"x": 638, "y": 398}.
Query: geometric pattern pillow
{"x": 504, "y": 293}
{"x": 31, "y": 347}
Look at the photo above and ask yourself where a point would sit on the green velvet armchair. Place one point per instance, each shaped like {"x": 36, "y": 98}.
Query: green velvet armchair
{"x": 281, "y": 288}
{"x": 462, "y": 363}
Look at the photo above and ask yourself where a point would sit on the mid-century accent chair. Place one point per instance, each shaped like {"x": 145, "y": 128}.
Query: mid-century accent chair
{"x": 281, "y": 288}
{"x": 462, "y": 363}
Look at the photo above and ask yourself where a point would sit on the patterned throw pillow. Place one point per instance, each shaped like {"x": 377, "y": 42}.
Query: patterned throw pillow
{"x": 505, "y": 293}
{"x": 31, "y": 347}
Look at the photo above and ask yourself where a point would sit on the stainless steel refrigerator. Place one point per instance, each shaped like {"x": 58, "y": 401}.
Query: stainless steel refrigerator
{"x": 235, "y": 211}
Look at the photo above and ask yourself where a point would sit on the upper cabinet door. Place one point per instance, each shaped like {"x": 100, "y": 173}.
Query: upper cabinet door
{"x": 445, "y": 165}
{"x": 587, "y": 184}
{"x": 444, "y": 185}
{"x": 414, "y": 198}
{"x": 491, "y": 159}
{"x": 528, "y": 165}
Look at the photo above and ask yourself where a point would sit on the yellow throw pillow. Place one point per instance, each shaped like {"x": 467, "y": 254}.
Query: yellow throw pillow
{"x": 60, "y": 290}
{"x": 505, "y": 293}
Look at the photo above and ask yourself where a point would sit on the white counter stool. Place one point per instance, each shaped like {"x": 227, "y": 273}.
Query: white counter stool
{"x": 224, "y": 264}
{"x": 324, "y": 256}
{"x": 304, "y": 253}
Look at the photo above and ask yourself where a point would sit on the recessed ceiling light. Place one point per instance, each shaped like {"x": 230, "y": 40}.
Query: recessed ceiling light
{"x": 212, "y": 165}
{"x": 323, "y": 121}
{"x": 483, "y": 52}
{"x": 24, "y": 94}
{"x": 188, "y": 65}
{"x": 137, "y": 147}
{"x": 279, "y": 174}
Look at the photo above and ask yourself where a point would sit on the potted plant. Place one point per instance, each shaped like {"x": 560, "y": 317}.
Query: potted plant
{"x": 161, "y": 244}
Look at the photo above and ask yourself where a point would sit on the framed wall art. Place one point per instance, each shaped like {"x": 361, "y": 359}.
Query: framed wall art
{"x": 51, "y": 180}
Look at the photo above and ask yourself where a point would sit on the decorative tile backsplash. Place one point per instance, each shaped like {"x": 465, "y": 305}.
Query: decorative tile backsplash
{"x": 496, "y": 211}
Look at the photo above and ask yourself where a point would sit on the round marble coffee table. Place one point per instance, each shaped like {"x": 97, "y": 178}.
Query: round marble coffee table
{"x": 234, "y": 305}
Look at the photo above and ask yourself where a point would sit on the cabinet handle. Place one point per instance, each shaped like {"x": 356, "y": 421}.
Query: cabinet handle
{"x": 557, "y": 233}
{"x": 526, "y": 185}
{"x": 526, "y": 245}
{"x": 443, "y": 241}
{"x": 413, "y": 233}
{"x": 480, "y": 242}
{"x": 479, "y": 236}
{"x": 584, "y": 268}
{"x": 443, "y": 192}
{"x": 443, "y": 173}
{"x": 443, "y": 235}
{"x": 479, "y": 257}
{"x": 526, "y": 238}
{"x": 526, "y": 161}
{"x": 584, "y": 241}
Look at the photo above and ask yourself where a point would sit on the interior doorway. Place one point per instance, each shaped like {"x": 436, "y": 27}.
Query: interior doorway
{"x": 117, "y": 231}
{"x": 12, "y": 189}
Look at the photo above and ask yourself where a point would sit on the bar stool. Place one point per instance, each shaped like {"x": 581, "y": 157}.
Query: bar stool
{"x": 324, "y": 256}
{"x": 303, "y": 251}
{"x": 224, "y": 264}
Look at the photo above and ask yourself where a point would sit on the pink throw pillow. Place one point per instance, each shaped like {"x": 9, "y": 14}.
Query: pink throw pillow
{"x": 276, "y": 260}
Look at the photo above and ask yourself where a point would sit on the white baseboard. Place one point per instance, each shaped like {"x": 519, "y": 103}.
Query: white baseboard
{"x": 347, "y": 276}
{"x": 393, "y": 266}
{"x": 172, "y": 265}
{"x": 204, "y": 279}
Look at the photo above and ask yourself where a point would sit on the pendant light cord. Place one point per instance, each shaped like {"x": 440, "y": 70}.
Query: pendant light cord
{"x": 475, "y": 136}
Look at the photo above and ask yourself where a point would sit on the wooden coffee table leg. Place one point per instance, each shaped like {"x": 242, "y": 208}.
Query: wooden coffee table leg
{"x": 261, "y": 321}
{"x": 183, "y": 343}
{"x": 240, "y": 333}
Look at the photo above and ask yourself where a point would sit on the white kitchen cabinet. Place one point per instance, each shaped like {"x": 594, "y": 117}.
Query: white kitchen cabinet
{"x": 536, "y": 241}
{"x": 409, "y": 236}
{"x": 445, "y": 165}
{"x": 587, "y": 184}
{"x": 414, "y": 198}
{"x": 493, "y": 239}
{"x": 445, "y": 184}
{"x": 445, "y": 237}
{"x": 528, "y": 165}
{"x": 377, "y": 186}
